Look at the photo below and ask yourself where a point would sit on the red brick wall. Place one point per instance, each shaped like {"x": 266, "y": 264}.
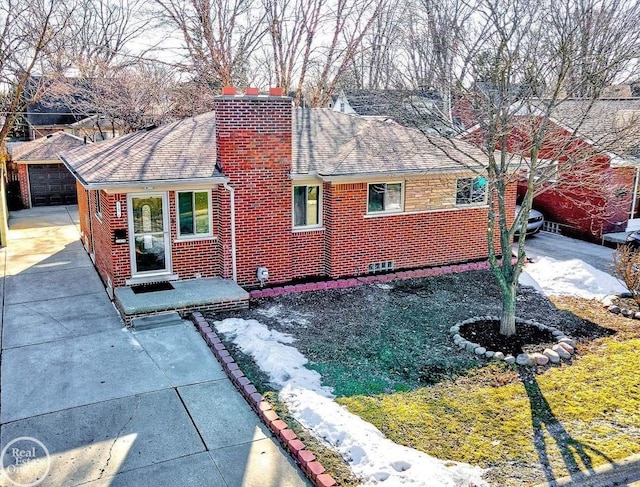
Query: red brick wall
{"x": 23, "y": 178}
{"x": 253, "y": 136}
{"x": 409, "y": 240}
{"x": 190, "y": 258}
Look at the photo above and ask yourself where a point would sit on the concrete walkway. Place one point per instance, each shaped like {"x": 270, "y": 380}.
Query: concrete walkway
{"x": 111, "y": 406}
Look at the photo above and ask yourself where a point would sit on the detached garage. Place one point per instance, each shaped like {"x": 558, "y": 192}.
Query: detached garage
{"x": 44, "y": 181}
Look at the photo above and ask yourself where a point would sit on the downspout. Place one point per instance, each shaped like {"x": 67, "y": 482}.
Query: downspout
{"x": 635, "y": 193}
{"x": 232, "y": 198}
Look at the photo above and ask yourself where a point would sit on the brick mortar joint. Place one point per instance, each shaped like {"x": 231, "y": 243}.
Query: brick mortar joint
{"x": 200, "y": 322}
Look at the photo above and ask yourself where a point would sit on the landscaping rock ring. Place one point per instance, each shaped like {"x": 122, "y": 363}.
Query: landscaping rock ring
{"x": 562, "y": 350}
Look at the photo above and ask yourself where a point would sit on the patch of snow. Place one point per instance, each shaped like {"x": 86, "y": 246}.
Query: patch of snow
{"x": 570, "y": 278}
{"x": 372, "y": 456}
{"x": 289, "y": 318}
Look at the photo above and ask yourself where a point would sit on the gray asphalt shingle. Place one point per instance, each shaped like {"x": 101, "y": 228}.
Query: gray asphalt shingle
{"x": 325, "y": 142}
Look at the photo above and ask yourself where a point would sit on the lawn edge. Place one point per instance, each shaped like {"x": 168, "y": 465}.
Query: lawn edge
{"x": 296, "y": 449}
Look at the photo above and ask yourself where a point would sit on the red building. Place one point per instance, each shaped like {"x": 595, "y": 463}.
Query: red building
{"x": 591, "y": 150}
{"x": 262, "y": 193}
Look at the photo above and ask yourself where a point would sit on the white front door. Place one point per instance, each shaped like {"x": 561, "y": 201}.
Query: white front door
{"x": 149, "y": 229}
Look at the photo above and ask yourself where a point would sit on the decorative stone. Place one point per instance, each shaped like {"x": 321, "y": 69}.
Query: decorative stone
{"x": 471, "y": 346}
{"x": 609, "y": 300}
{"x": 557, "y": 333}
{"x": 554, "y": 358}
{"x": 568, "y": 341}
{"x": 489, "y": 354}
{"x": 615, "y": 309}
{"x": 540, "y": 359}
{"x": 462, "y": 343}
{"x": 524, "y": 359}
{"x": 510, "y": 359}
{"x": 636, "y": 315}
{"x": 498, "y": 356}
{"x": 567, "y": 347}
{"x": 454, "y": 329}
{"x": 480, "y": 350}
{"x": 625, "y": 312}
{"x": 561, "y": 351}
{"x": 456, "y": 337}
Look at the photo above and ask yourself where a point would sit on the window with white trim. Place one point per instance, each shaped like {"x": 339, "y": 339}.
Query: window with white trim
{"x": 384, "y": 198}
{"x": 306, "y": 206}
{"x": 471, "y": 191}
{"x": 194, "y": 213}
{"x": 98, "y": 204}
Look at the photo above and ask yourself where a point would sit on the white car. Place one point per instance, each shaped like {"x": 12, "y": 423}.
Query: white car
{"x": 535, "y": 222}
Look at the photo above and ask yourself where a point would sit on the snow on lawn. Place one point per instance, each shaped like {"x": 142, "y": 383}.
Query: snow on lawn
{"x": 571, "y": 277}
{"x": 374, "y": 458}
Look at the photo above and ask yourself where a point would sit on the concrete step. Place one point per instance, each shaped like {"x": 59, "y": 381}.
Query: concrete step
{"x": 167, "y": 318}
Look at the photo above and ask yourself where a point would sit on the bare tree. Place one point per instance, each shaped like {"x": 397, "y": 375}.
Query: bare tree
{"x": 99, "y": 37}
{"x": 348, "y": 22}
{"x": 601, "y": 52}
{"x": 219, "y": 37}
{"x": 293, "y": 26}
{"x": 525, "y": 49}
{"x": 27, "y": 29}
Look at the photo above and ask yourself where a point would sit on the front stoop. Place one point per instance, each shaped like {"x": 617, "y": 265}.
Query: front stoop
{"x": 210, "y": 294}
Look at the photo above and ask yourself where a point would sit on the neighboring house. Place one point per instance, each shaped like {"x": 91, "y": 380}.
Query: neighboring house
{"x": 257, "y": 184}
{"x": 600, "y": 143}
{"x": 421, "y": 109}
{"x": 41, "y": 179}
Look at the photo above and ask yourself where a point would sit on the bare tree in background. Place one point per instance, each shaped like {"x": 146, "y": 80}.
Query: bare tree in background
{"x": 219, "y": 37}
{"x": 293, "y": 26}
{"x": 375, "y": 65}
{"x": 601, "y": 52}
{"x": 99, "y": 37}
{"x": 348, "y": 22}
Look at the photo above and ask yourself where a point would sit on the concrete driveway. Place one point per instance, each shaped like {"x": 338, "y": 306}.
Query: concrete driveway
{"x": 561, "y": 248}
{"x": 111, "y": 406}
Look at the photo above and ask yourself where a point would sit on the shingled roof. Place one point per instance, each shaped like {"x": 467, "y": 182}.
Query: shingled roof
{"x": 332, "y": 144}
{"x": 613, "y": 124}
{"x": 183, "y": 150}
{"x": 46, "y": 148}
{"x": 325, "y": 144}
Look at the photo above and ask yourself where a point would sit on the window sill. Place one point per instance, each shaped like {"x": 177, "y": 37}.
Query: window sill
{"x": 307, "y": 229}
{"x": 375, "y": 214}
{"x": 196, "y": 238}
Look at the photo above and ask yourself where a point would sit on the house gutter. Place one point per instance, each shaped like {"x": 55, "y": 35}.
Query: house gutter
{"x": 636, "y": 180}
{"x": 232, "y": 198}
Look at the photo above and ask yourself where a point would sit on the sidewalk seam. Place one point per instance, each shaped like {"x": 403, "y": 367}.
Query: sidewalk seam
{"x": 297, "y": 450}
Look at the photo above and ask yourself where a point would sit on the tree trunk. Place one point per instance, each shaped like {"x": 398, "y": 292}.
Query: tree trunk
{"x": 508, "y": 317}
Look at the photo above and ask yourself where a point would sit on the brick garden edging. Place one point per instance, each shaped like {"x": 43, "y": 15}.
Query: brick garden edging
{"x": 307, "y": 461}
{"x": 359, "y": 281}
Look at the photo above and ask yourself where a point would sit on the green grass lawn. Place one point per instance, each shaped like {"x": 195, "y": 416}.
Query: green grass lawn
{"x": 388, "y": 355}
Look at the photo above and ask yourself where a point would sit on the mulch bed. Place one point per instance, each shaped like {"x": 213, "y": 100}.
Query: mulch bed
{"x": 528, "y": 338}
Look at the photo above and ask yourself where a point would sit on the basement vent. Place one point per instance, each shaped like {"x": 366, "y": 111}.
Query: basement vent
{"x": 381, "y": 266}
{"x": 152, "y": 287}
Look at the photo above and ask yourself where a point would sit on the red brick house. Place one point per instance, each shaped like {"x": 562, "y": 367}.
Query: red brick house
{"x": 258, "y": 184}
{"x": 594, "y": 147}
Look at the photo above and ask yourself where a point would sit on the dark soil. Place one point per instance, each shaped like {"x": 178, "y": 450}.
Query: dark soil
{"x": 375, "y": 339}
{"x": 528, "y": 339}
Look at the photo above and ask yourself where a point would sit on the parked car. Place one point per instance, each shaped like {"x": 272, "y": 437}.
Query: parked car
{"x": 535, "y": 222}
{"x": 633, "y": 240}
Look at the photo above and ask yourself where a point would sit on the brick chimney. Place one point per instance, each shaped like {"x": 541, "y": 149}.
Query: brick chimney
{"x": 254, "y": 149}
